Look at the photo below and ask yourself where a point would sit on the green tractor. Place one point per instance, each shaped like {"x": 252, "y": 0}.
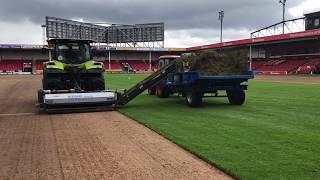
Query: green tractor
{"x": 72, "y": 78}
{"x": 72, "y": 67}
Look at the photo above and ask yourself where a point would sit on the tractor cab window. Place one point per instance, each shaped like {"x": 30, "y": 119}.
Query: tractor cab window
{"x": 72, "y": 53}
{"x": 161, "y": 63}
{"x": 164, "y": 62}
{"x": 317, "y": 22}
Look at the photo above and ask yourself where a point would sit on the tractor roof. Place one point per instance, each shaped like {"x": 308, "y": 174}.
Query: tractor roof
{"x": 170, "y": 57}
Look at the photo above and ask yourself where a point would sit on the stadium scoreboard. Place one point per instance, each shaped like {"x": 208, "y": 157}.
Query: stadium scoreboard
{"x": 138, "y": 33}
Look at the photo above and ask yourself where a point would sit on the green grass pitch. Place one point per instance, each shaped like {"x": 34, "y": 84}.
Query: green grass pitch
{"x": 274, "y": 135}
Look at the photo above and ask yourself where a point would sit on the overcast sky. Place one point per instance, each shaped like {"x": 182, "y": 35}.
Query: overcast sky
{"x": 187, "y": 22}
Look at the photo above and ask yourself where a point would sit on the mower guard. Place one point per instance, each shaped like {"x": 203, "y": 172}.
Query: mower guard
{"x": 55, "y": 101}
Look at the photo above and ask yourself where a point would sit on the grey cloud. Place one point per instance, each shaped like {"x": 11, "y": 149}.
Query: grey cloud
{"x": 178, "y": 14}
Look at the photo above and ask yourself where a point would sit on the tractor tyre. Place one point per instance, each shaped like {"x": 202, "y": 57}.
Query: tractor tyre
{"x": 96, "y": 84}
{"x": 236, "y": 97}
{"x": 152, "y": 91}
{"x": 162, "y": 92}
{"x": 52, "y": 83}
{"x": 40, "y": 97}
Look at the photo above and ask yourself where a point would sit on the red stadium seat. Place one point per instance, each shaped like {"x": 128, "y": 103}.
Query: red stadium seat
{"x": 280, "y": 66}
{"x": 114, "y": 65}
{"x": 309, "y": 68}
{"x": 12, "y": 65}
{"x": 138, "y": 65}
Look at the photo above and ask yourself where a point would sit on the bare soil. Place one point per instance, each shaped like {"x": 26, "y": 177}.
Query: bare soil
{"x": 306, "y": 79}
{"x": 98, "y": 145}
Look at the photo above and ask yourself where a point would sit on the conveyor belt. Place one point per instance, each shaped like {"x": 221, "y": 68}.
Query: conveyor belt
{"x": 151, "y": 80}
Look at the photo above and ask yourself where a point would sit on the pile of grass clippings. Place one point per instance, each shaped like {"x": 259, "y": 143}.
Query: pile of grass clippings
{"x": 217, "y": 62}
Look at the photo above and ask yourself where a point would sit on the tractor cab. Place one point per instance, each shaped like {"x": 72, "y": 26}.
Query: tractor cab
{"x": 181, "y": 65}
{"x": 165, "y": 60}
{"x": 70, "y": 51}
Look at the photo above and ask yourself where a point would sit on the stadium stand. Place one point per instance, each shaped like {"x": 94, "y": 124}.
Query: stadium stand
{"x": 257, "y": 63}
{"x": 313, "y": 66}
{"x": 12, "y": 65}
{"x": 280, "y": 66}
{"x": 14, "y": 56}
{"x": 114, "y": 66}
{"x": 287, "y": 65}
{"x": 154, "y": 65}
{"x": 39, "y": 64}
{"x": 137, "y": 65}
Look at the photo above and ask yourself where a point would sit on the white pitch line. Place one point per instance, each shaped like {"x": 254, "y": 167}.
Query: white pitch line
{"x": 17, "y": 114}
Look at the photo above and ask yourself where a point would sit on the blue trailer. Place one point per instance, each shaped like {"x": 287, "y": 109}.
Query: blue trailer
{"x": 170, "y": 79}
{"x": 194, "y": 87}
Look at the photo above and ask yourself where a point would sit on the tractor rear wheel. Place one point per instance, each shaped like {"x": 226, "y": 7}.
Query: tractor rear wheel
{"x": 52, "y": 83}
{"x": 236, "y": 97}
{"x": 95, "y": 84}
{"x": 152, "y": 91}
{"x": 40, "y": 96}
{"x": 162, "y": 92}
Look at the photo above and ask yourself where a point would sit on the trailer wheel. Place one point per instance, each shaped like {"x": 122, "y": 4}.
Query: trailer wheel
{"x": 236, "y": 97}
{"x": 193, "y": 98}
{"x": 162, "y": 92}
{"x": 152, "y": 91}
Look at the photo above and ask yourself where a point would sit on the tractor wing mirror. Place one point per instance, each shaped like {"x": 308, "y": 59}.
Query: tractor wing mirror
{"x": 45, "y": 49}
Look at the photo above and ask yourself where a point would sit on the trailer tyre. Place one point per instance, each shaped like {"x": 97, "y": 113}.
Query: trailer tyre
{"x": 193, "y": 98}
{"x": 236, "y": 97}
